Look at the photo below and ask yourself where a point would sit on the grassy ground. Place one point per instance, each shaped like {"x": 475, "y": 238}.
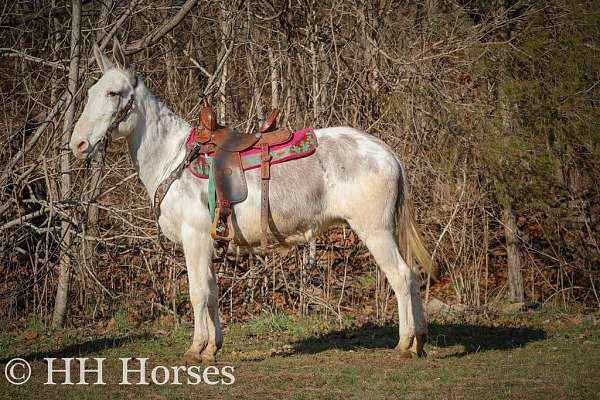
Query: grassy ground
{"x": 527, "y": 356}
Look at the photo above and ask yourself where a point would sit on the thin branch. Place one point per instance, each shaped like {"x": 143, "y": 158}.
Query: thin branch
{"x": 25, "y": 56}
{"x": 162, "y": 30}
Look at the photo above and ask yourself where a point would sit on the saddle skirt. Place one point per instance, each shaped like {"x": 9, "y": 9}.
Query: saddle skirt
{"x": 302, "y": 144}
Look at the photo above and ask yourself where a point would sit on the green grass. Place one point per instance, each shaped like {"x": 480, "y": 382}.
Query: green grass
{"x": 530, "y": 356}
{"x": 272, "y": 322}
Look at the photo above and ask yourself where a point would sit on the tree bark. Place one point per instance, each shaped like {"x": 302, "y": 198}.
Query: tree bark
{"x": 222, "y": 95}
{"x": 314, "y": 67}
{"x": 370, "y": 27}
{"x": 290, "y": 101}
{"x": 62, "y": 291}
{"x": 92, "y": 222}
{"x": 226, "y": 32}
{"x": 513, "y": 255}
{"x": 515, "y": 273}
{"x": 274, "y": 79}
{"x": 256, "y": 92}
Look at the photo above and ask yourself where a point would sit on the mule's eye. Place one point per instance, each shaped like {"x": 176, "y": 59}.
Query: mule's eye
{"x": 112, "y": 94}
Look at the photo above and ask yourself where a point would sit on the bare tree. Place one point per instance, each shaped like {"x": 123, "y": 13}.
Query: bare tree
{"x": 438, "y": 81}
{"x": 514, "y": 263}
{"x": 62, "y": 290}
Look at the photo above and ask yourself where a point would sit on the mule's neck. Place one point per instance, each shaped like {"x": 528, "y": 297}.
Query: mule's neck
{"x": 157, "y": 145}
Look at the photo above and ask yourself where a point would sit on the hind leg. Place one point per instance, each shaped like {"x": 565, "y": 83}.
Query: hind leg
{"x": 412, "y": 326}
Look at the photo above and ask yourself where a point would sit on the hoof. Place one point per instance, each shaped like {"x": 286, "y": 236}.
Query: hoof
{"x": 412, "y": 347}
{"x": 417, "y": 345}
{"x": 208, "y": 359}
{"x": 405, "y": 353}
{"x": 191, "y": 358}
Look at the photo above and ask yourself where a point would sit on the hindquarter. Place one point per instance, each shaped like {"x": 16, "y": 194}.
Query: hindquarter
{"x": 366, "y": 178}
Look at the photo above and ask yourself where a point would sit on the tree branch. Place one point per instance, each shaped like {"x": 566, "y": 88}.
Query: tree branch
{"x": 162, "y": 30}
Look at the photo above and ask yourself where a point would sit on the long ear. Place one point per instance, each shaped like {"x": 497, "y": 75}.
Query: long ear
{"x": 103, "y": 61}
{"x": 119, "y": 55}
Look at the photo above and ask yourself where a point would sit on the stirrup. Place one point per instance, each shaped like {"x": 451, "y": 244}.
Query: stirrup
{"x": 222, "y": 232}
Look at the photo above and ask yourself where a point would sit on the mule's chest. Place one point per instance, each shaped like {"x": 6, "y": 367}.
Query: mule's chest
{"x": 184, "y": 204}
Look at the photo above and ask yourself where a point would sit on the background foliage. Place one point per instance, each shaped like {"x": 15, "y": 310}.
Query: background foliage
{"x": 493, "y": 107}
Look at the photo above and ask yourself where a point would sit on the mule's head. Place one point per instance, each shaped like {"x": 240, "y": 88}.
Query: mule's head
{"x": 111, "y": 105}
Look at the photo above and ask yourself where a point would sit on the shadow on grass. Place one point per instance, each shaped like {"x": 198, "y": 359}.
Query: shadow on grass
{"x": 473, "y": 338}
{"x": 82, "y": 349}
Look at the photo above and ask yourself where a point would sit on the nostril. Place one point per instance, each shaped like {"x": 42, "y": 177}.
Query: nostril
{"x": 82, "y": 146}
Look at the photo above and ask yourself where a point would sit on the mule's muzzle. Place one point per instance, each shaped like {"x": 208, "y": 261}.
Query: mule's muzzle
{"x": 81, "y": 148}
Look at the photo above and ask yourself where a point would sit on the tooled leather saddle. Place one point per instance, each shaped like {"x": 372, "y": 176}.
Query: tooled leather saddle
{"x": 225, "y": 146}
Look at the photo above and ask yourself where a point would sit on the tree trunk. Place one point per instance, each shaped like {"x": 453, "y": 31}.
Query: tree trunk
{"x": 274, "y": 79}
{"x": 62, "y": 291}
{"x": 93, "y": 214}
{"x": 290, "y": 101}
{"x": 369, "y": 22}
{"x": 222, "y": 96}
{"x": 255, "y": 87}
{"x": 226, "y": 31}
{"x": 325, "y": 76}
{"x": 515, "y": 274}
{"x": 513, "y": 255}
{"x": 314, "y": 68}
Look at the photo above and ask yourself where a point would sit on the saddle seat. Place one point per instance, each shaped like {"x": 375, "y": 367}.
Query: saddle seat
{"x": 225, "y": 146}
{"x": 228, "y": 140}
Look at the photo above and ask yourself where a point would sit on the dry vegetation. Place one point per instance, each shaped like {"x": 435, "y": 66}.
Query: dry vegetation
{"x": 493, "y": 107}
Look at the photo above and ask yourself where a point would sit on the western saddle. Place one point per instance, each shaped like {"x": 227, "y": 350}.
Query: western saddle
{"x": 224, "y": 146}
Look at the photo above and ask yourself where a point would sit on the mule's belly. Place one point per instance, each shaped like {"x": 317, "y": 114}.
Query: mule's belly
{"x": 296, "y": 203}
{"x": 248, "y": 233}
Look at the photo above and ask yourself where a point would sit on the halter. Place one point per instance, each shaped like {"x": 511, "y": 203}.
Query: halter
{"x": 123, "y": 113}
{"x": 120, "y": 115}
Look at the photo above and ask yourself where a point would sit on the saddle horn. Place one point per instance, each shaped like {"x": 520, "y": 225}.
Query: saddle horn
{"x": 208, "y": 117}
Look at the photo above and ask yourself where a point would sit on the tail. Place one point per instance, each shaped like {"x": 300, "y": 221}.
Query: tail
{"x": 409, "y": 238}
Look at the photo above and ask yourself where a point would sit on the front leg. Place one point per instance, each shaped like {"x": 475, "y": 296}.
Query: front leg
{"x": 204, "y": 295}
